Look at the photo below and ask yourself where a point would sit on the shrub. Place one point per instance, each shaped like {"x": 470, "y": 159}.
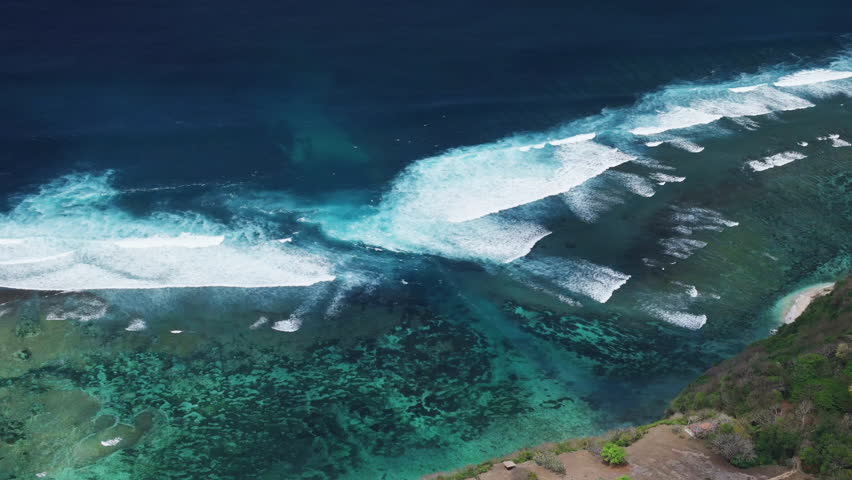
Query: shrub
{"x": 524, "y": 456}
{"x": 549, "y": 461}
{"x": 830, "y": 452}
{"x": 568, "y": 446}
{"x": 613, "y": 454}
{"x": 774, "y": 443}
{"x": 532, "y": 476}
{"x": 626, "y": 437}
{"x": 624, "y": 477}
{"x": 735, "y": 447}
{"x": 726, "y": 428}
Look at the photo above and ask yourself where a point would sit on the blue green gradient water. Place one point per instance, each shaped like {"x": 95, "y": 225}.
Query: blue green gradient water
{"x": 358, "y": 275}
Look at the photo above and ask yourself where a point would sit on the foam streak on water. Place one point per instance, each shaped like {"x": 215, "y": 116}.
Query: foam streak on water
{"x": 683, "y": 319}
{"x": 576, "y": 276}
{"x": 776, "y": 160}
{"x": 810, "y": 77}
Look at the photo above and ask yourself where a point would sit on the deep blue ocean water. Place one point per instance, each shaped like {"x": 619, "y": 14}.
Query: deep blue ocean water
{"x": 346, "y": 240}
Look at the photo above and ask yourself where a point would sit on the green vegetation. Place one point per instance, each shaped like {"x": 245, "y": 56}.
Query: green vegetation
{"x": 613, "y": 454}
{"x": 549, "y": 461}
{"x": 624, "y": 477}
{"x": 628, "y": 436}
{"x": 789, "y": 395}
{"x": 572, "y": 445}
{"x": 471, "y": 471}
{"x": 525, "y": 456}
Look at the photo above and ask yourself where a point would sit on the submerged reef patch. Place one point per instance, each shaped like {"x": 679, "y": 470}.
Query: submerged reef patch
{"x": 220, "y": 410}
{"x": 614, "y": 351}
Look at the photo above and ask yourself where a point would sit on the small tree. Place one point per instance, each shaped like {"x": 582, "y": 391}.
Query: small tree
{"x": 803, "y": 409}
{"x": 613, "y": 454}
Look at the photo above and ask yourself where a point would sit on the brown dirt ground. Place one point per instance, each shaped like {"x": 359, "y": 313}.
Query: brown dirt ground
{"x": 660, "y": 455}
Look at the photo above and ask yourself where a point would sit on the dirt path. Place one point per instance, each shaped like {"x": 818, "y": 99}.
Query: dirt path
{"x": 660, "y": 455}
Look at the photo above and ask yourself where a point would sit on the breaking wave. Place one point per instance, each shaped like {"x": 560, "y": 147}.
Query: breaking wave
{"x": 71, "y": 235}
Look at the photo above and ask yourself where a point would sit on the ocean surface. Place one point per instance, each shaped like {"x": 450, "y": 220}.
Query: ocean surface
{"x": 372, "y": 240}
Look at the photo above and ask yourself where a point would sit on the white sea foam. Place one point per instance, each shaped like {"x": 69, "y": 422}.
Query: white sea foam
{"x": 686, "y": 145}
{"x": 451, "y": 205}
{"x": 680, "y": 143}
{"x": 82, "y": 309}
{"x": 561, "y": 141}
{"x": 690, "y": 289}
{"x": 677, "y": 118}
{"x": 184, "y": 240}
{"x": 577, "y": 276}
{"x": 690, "y": 219}
{"x": 97, "y": 265}
{"x": 592, "y": 199}
{"x": 746, "y": 122}
{"x": 72, "y": 236}
{"x": 776, "y": 160}
{"x": 682, "y": 319}
{"x": 538, "y": 285}
{"x": 24, "y": 261}
{"x": 680, "y": 247}
{"x": 663, "y": 178}
{"x": 583, "y": 137}
{"x": 588, "y": 202}
{"x": 473, "y": 183}
{"x": 748, "y": 88}
{"x": 802, "y": 144}
{"x": 810, "y": 77}
{"x": 707, "y": 106}
{"x": 650, "y": 262}
{"x": 259, "y": 323}
{"x": 836, "y": 141}
{"x": 11, "y": 241}
{"x": 291, "y": 324}
{"x": 136, "y": 325}
{"x": 493, "y": 238}
{"x": 112, "y": 442}
{"x": 635, "y": 184}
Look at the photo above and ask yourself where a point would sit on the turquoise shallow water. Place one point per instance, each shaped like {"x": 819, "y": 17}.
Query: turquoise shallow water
{"x": 304, "y": 304}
